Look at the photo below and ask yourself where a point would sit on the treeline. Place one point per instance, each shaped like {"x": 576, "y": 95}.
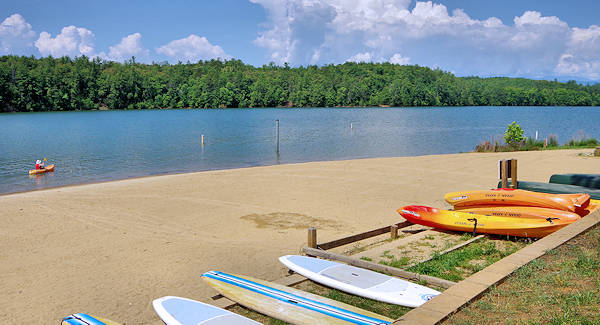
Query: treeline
{"x": 30, "y": 84}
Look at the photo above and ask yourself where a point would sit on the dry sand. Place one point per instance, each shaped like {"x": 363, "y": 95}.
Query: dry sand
{"x": 109, "y": 249}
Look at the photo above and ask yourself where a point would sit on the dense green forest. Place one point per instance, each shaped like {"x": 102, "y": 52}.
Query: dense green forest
{"x": 32, "y": 84}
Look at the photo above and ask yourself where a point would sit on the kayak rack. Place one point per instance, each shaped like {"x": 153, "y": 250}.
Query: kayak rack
{"x": 321, "y": 250}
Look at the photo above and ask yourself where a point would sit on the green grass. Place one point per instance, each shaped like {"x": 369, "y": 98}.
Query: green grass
{"x": 530, "y": 144}
{"x": 399, "y": 263}
{"x": 458, "y": 264}
{"x": 561, "y": 287}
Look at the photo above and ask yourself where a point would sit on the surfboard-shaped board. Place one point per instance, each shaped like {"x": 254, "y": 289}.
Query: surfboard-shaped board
{"x": 183, "y": 311}
{"x": 85, "y": 319}
{"x": 288, "y": 304}
{"x": 509, "y": 196}
{"x": 360, "y": 282}
{"x": 483, "y": 224}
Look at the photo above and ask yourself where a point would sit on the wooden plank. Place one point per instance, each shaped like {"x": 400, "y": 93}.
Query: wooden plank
{"x": 361, "y": 236}
{"x": 379, "y": 267}
{"x": 463, "y": 244}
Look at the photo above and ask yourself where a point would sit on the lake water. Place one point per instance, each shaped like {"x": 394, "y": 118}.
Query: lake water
{"x": 93, "y": 146}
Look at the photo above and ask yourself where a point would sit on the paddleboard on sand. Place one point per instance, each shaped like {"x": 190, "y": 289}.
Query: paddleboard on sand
{"x": 288, "y": 304}
{"x": 183, "y": 311}
{"x": 85, "y": 319}
{"x": 360, "y": 282}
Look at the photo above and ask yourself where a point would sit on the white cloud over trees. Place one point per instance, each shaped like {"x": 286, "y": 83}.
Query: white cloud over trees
{"x": 15, "y": 34}
{"x": 192, "y": 48}
{"x": 335, "y": 31}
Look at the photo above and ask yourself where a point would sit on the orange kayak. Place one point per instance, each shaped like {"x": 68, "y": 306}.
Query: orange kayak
{"x": 49, "y": 168}
{"x": 521, "y": 212}
{"x": 509, "y": 196}
{"x": 463, "y": 221}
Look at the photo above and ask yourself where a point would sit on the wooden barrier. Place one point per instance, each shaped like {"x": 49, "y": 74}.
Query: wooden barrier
{"x": 357, "y": 237}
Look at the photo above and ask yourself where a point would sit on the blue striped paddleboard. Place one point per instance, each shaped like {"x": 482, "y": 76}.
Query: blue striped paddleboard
{"x": 288, "y": 304}
{"x": 85, "y": 319}
{"x": 360, "y": 282}
{"x": 183, "y": 311}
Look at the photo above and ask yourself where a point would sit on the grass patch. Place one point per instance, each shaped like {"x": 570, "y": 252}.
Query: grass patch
{"x": 365, "y": 258}
{"x": 458, "y": 264}
{"x": 530, "y": 144}
{"x": 561, "y": 287}
{"x": 399, "y": 263}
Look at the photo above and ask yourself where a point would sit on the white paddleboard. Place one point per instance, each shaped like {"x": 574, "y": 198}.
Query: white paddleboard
{"x": 360, "y": 282}
{"x": 183, "y": 311}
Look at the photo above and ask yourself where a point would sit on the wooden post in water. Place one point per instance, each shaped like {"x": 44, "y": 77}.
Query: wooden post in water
{"x": 312, "y": 237}
{"x": 277, "y": 127}
{"x": 513, "y": 173}
{"x": 202, "y": 140}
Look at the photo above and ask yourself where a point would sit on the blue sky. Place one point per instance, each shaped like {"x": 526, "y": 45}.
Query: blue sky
{"x": 536, "y": 39}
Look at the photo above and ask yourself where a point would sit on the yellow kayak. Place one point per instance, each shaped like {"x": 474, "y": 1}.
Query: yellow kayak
{"x": 49, "y": 168}
{"x": 506, "y": 196}
{"x": 500, "y": 225}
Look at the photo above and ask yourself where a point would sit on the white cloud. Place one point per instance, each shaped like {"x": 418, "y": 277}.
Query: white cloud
{"x": 399, "y": 59}
{"x": 129, "y": 46}
{"x": 335, "y": 31}
{"x": 582, "y": 56}
{"x": 15, "y": 34}
{"x": 72, "y": 41}
{"x": 360, "y": 57}
{"x": 192, "y": 48}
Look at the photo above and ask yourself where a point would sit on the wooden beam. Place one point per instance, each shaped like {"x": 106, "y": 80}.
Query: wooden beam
{"x": 379, "y": 267}
{"x": 361, "y": 236}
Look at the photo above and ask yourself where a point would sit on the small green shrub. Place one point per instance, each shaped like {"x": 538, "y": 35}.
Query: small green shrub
{"x": 513, "y": 135}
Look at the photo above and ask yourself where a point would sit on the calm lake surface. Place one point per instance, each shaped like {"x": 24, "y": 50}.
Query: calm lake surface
{"x": 93, "y": 146}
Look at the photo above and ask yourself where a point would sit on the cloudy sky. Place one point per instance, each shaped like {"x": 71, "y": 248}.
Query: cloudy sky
{"x": 539, "y": 39}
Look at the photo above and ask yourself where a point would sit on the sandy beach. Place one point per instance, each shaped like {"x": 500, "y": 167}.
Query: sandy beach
{"x": 108, "y": 249}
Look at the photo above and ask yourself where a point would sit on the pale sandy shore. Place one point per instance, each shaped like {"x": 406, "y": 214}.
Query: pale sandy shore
{"x": 109, "y": 249}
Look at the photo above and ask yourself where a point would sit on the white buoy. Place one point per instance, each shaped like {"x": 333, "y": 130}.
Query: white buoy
{"x": 536, "y": 134}
{"x": 351, "y": 126}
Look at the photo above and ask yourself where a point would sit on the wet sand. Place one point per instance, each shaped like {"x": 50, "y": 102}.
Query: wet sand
{"x": 108, "y": 249}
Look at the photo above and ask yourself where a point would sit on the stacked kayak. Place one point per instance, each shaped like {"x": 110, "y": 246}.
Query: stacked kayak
{"x": 521, "y": 212}
{"x": 510, "y": 197}
{"x": 49, "y": 168}
{"x": 506, "y": 224}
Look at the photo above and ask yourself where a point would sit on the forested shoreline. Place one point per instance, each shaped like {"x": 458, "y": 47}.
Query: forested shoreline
{"x": 48, "y": 84}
